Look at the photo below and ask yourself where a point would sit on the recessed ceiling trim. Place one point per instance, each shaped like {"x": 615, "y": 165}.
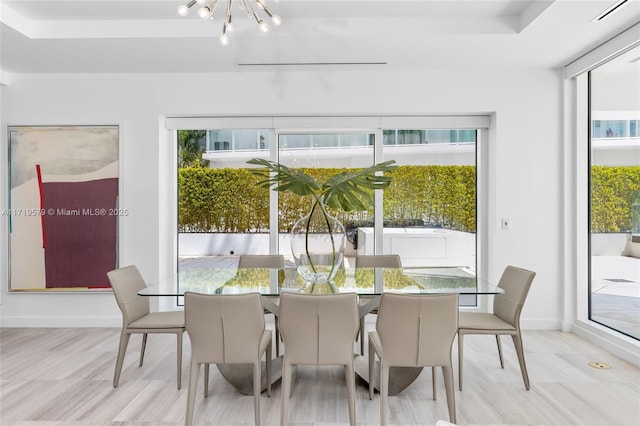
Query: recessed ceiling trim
{"x": 608, "y": 11}
{"x": 294, "y": 64}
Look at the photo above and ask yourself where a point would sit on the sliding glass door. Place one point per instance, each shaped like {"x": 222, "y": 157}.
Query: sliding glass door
{"x": 614, "y": 210}
{"x": 221, "y": 211}
{"x": 430, "y": 209}
{"x": 322, "y": 154}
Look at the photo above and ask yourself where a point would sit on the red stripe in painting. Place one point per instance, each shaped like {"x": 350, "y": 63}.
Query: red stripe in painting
{"x": 44, "y": 234}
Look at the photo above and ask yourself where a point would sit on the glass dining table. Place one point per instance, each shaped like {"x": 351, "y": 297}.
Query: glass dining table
{"x": 368, "y": 283}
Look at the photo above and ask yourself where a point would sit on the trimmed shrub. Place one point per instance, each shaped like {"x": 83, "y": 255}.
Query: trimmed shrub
{"x": 228, "y": 200}
{"x": 612, "y": 192}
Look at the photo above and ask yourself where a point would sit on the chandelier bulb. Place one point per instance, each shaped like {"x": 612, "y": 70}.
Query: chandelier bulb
{"x": 183, "y": 10}
{"x": 249, "y": 6}
{"x": 204, "y": 12}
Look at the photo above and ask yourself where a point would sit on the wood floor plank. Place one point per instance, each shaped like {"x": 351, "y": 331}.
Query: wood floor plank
{"x": 63, "y": 377}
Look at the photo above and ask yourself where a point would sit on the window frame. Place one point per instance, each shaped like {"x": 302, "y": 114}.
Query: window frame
{"x": 576, "y": 200}
{"x": 343, "y": 124}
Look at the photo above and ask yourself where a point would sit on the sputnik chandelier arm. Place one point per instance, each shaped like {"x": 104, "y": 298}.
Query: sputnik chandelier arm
{"x": 250, "y": 7}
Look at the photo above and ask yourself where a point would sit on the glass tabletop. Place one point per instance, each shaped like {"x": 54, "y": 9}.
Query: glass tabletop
{"x": 363, "y": 281}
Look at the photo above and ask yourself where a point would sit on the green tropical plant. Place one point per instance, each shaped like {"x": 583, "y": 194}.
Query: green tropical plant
{"x": 189, "y": 150}
{"x": 350, "y": 190}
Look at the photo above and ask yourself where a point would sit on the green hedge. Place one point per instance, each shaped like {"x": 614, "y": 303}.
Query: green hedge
{"x": 220, "y": 200}
{"x": 228, "y": 200}
{"x": 438, "y": 195}
{"x": 612, "y": 192}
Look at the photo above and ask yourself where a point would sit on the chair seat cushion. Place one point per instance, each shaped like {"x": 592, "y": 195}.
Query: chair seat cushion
{"x": 167, "y": 319}
{"x": 482, "y": 321}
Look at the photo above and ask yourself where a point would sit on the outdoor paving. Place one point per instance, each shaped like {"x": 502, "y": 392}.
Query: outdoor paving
{"x": 615, "y": 293}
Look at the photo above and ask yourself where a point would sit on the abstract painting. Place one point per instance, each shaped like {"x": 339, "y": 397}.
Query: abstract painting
{"x": 63, "y": 207}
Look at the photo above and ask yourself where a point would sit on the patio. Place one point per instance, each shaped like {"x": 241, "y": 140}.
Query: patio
{"x": 615, "y": 293}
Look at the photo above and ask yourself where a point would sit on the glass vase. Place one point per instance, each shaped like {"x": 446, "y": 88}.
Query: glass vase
{"x": 317, "y": 243}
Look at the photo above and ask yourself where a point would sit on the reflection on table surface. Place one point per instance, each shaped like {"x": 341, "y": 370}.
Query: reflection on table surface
{"x": 364, "y": 281}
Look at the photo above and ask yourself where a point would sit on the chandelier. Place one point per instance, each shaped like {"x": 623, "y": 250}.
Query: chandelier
{"x": 250, "y": 7}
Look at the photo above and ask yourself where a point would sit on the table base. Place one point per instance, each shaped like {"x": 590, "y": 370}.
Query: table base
{"x": 399, "y": 377}
{"x": 241, "y": 375}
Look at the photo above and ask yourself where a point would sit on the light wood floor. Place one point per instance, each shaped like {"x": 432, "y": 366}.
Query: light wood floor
{"x": 63, "y": 377}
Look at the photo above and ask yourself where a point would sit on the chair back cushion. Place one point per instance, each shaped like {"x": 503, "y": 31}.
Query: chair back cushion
{"x": 318, "y": 328}
{"x": 516, "y": 283}
{"x": 417, "y": 330}
{"x": 224, "y": 328}
{"x": 126, "y": 282}
{"x": 261, "y": 261}
{"x": 378, "y": 261}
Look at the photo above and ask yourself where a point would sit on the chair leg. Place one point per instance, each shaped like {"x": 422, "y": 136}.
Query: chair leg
{"x": 268, "y": 367}
{"x": 500, "y": 350}
{"x": 286, "y": 389}
{"x": 451, "y": 397}
{"x": 122, "y": 348}
{"x": 206, "y": 380}
{"x": 350, "y": 376}
{"x": 191, "y": 393}
{"x": 362, "y": 336}
{"x": 277, "y": 322}
{"x": 434, "y": 374}
{"x": 517, "y": 342}
{"x": 257, "y": 388}
{"x": 372, "y": 365}
{"x": 144, "y": 346}
{"x": 384, "y": 393}
{"x": 179, "y": 360}
{"x": 460, "y": 345}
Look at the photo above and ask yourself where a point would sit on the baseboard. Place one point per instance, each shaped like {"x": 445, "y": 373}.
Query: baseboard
{"x": 61, "y": 322}
{"x": 618, "y": 344}
{"x": 540, "y": 324}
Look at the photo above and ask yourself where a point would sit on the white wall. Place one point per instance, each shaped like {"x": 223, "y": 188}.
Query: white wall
{"x": 524, "y": 157}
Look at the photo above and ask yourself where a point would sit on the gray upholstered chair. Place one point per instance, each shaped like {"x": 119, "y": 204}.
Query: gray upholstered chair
{"x": 226, "y": 329}
{"x": 374, "y": 261}
{"x": 264, "y": 261}
{"x": 413, "y": 331}
{"x": 318, "y": 330}
{"x": 137, "y": 318}
{"x": 505, "y": 319}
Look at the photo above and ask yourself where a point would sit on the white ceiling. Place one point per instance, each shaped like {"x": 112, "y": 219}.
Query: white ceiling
{"x": 147, "y": 36}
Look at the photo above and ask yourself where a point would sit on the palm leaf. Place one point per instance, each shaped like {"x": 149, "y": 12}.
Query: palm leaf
{"x": 348, "y": 191}
{"x": 283, "y": 178}
{"x": 353, "y": 190}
